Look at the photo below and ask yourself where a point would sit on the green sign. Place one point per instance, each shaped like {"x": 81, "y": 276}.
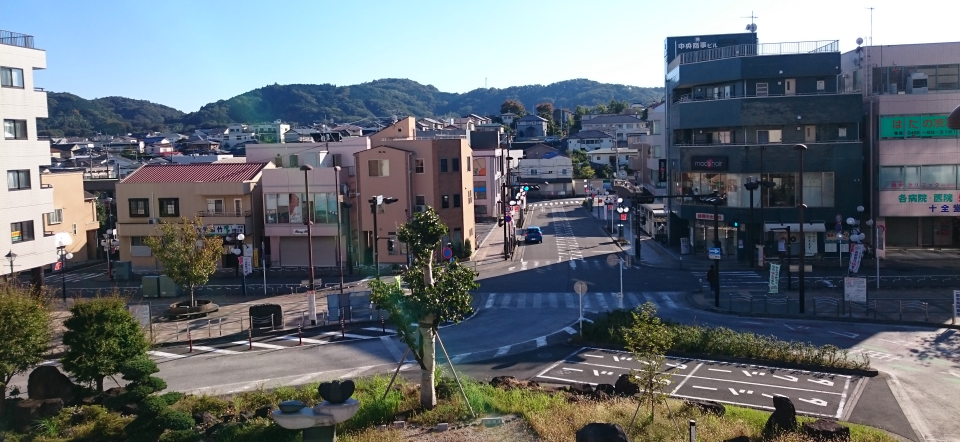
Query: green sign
{"x": 915, "y": 126}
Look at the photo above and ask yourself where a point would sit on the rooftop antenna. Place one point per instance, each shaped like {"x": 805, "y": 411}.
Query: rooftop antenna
{"x": 871, "y": 8}
{"x": 752, "y": 27}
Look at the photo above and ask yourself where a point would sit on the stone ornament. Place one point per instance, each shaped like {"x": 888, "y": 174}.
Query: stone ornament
{"x": 336, "y": 392}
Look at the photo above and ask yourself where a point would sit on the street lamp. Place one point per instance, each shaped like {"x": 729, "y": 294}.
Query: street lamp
{"x": 622, "y": 210}
{"x": 803, "y": 242}
{"x": 716, "y": 201}
{"x": 64, "y": 256}
{"x": 307, "y": 219}
{"x": 751, "y": 185}
{"x": 110, "y": 235}
{"x": 336, "y": 180}
{"x": 11, "y": 257}
{"x": 375, "y": 204}
{"x": 240, "y": 260}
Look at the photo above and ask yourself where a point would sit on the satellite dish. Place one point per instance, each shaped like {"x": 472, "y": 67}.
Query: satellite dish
{"x": 859, "y": 41}
{"x": 752, "y": 27}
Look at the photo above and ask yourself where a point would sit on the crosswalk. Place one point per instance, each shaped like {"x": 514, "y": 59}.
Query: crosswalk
{"x": 577, "y": 264}
{"x": 592, "y": 301}
{"x": 565, "y": 202}
{"x": 70, "y": 277}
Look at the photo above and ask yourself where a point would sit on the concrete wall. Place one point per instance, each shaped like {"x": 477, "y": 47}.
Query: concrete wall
{"x": 79, "y": 215}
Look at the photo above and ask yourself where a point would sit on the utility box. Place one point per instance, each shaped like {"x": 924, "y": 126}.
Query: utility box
{"x": 151, "y": 286}
{"x": 122, "y": 270}
{"x": 159, "y": 287}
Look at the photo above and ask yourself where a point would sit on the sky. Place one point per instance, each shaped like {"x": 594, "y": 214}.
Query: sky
{"x": 185, "y": 54}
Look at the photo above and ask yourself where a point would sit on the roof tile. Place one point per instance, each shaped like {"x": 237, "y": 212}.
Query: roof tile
{"x": 190, "y": 173}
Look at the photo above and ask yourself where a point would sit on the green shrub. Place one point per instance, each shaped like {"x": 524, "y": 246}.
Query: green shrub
{"x": 171, "y": 419}
{"x": 202, "y": 404}
{"x": 151, "y": 406}
{"x": 256, "y": 430}
{"x": 180, "y": 436}
{"x": 107, "y": 427}
{"x": 172, "y": 397}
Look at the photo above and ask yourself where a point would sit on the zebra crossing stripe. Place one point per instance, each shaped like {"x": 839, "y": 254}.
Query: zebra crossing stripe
{"x": 261, "y": 344}
{"x": 553, "y": 299}
{"x": 633, "y": 299}
{"x": 521, "y": 300}
{"x": 568, "y": 300}
{"x": 204, "y": 348}
{"x": 490, "y": 300}
{"x": 573, "y": 265}
{"x": 541, "y": 341}
{"x": 667, "y": 300}
{"x": 161, "y": 354}
{"x": 305, "y": 340}
{"x": 537, "y": 300}
{"x": 502, "y": 351}
{"x": 506, "y": 301}
{"x": 601, "y": 302}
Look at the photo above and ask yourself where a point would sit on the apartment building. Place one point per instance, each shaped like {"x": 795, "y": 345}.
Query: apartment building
{"x": 419, "y": 172}
{"x": 283, "y": 186}
{"x": 26, "y": 201}
{"x": 912, "y": 156}
{"x": 553, "y": 173}
{"x": 74, "y": 212}
{"x": 226, "y": 195}
{"x": 274, "y": 132}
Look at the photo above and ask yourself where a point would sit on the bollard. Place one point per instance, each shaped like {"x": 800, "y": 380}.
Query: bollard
{"x": 220, "y": 325}
{"x": 693, "y": 430}
{"x": 190, "y": 340}
{"x": 300, "y": 334}
{"x": 273, "y": 324}
{"x": 250, "y": 338}
{"x": 383, "y": 325}
{"x": 343, "y": 332}
{"x": 208, "y": 328}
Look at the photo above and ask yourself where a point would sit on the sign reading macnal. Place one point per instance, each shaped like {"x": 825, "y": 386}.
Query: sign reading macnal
{"x": 711, "y": 162}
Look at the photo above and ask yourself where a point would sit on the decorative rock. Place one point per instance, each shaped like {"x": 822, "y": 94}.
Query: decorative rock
{"x": 625, "y": 387}
{"x": 602, "y": 432}
{"x": 826, "y": 430}
{"x": 607, "y": 388}
{"x": 205, "y": 419}
{"x": 784, "y": 417}
{"x": 738, "y": 439}
{"x": 707, "y": 406}
{"x": 336, "y": 392}
{"x": 263, "y": 411}
{"x": 492, "y": 421}
{"x": 291, "y": 406}
{"x": 443, "y": 426}
{"x": 51, "y": 407}
{"x": 399, "y": 424}
{"x": 47, "y": 382}
{"x": 24, "y": 413}
{"x": 128, "y": 409}
{"x": 246, "y": 415}
{"x": 584, "y": 389}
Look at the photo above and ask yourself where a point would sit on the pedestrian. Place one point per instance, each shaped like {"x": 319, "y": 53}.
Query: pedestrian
{"x": 713, "y": 278}
{"x": 782, "y": 247}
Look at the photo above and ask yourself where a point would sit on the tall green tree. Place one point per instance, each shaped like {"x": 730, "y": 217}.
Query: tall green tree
{"x": 513, "y": 106}
{"x": 101, "y": 336}
{"x": 616, "y": 107}
{"x": 25, "y": 330}
{"x": 187, "y": 254}
{"x": 435, "y": 295}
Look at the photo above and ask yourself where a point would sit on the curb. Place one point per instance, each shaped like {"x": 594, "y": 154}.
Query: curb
{"x": 818, "y": 318}
{"x": 787, "y": 365}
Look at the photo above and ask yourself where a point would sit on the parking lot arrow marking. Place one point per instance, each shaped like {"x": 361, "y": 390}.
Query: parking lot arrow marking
{"x": 678, "y": 366}
{"x": 826, "y": 382}
{"x": 787, "y": 378}
{"x": 815, "y": 401}
{"x": 766, "y": 395}
{"x": 596, "y": 373}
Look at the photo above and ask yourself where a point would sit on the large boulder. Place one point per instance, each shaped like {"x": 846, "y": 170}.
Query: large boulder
{"x": 27, "y": 411}
{"x": 602, "y": 432}
{"x": 625, "y": 386}
{"x": 47, "y": 382}
{"x": 826, "y": 430}
{"x": 584, "y": 389}
{"x": 783, "y": 419}
{"x": 707, "y": 406}
{"x": 610, "y": 390}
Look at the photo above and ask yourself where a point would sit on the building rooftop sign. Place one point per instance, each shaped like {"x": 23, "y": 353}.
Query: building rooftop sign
{"x": 677, "y": 45}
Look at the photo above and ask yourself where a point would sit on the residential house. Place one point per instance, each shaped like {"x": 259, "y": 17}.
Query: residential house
{"x": 651, "y": 169}
{"x": 590, "y": 140}
{"x": 274, "y": 132}
{"x": 160, "y": 149}
{"x": 552, "y": 172}
{"x": 617, "y": 125}
{"x": 430, "y": 124}
{"x": 26, "y": 200}
{"x": 538, "y": 151}
{"x": 236, "y": 134}
{"x": 508, "y": 118}
{"x": 74, "y": 213}
{"x": 619, "y": 156}
{"x": 226, "y": 195}
{"x": 531, "y": 126}
{"x": 419, "y": 173}
{"x": 490, "y": 167}
{"x": 300, "y": 135}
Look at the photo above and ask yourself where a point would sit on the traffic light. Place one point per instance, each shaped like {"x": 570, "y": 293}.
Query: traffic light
{"x": 736, "y": 224}
{"x": 390, "y": 243}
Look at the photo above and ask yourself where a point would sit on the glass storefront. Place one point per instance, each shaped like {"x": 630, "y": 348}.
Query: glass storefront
{"x": 288, "y": 208}
{"x": 818, "y": 188}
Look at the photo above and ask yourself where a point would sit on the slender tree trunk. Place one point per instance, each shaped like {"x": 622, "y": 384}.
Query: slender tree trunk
{"x": 100, "y": 384}
{"x": 3, "y": 397}
{"x": 192, "y": 302}
{"x": 428, "y": 394}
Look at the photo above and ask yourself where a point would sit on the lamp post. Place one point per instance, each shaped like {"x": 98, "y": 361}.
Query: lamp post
{"x": 622, "y": 210}
{"x": 11, "y": 257}
{"x": 876, "y": 243}
{"x": 64, "y": 256}
{"x": 307, "y": 219}
{"x": 336, "y": 179}
{"x": 110, "y": 235}
{"x": 856, "y": 236}
{"x": 803, "y": 242}
{"x": 716, "y": 201}
{"x": 375, "y": 204}
{"x": 751, "y": 185}
{"x": 109, "y": 243}
{"x": 240, "y": 260}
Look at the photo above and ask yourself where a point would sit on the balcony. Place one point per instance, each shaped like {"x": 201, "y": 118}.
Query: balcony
{"x": 224, "y": 214}
{"x": 689, "y": 98}
{"x": 752, "y": 50}
{"x": 15, "y": 39}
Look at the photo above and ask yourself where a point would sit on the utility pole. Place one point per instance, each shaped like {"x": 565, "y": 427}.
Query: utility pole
{"x": 375, "y": 204}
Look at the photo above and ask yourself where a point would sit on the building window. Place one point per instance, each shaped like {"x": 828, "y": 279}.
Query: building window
{"x": 421, "y": 200}
{"x": 11, "y": 77}
{"x": 480, "y": 210}
{"x": 843, "y": 132}
{"x": 237, "y": 207}
{"x": 443, "y": 164}
{"x": 455, "y": 162}
{"x": 18, "y": 179}
{"x": 15, "y": 129}
{"x": 445, "y": 202}
{"x": 21, "y": 231}
{"x": 214, "y": 206}
{"x": 138, "y": 241}
{"x": 468, "y": 164}
{"x": 278, "y": 161}
{"x": 769, "y": 136}
{"x": 762, "y": 89}
{"x": 379, "y": 167}
{"x": 456, "y": 200}
{"x": 55, "y": 217}
{"x": 294, "y": 159}
{"x": 169, "y": 206}
{"x": 821, "y": 85}
{"x": 418, "y": 167}
{"x": 481, "y": 190}
{"x": 139, "y": 207}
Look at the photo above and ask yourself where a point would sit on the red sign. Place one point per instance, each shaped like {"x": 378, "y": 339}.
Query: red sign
{"x": 709, "y": 216}
{"x": 623, "y": 217}
{"x": 58, "y": 266}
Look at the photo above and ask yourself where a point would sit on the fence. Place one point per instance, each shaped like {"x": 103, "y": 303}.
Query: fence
{"x": 890, "y": 309}
{"x": 161, "y": 332}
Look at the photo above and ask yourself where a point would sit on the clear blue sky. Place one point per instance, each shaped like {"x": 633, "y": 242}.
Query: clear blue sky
{"x": 188, "y": 53}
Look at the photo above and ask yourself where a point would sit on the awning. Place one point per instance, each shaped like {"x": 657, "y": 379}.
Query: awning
{"x": 794, "y": 227}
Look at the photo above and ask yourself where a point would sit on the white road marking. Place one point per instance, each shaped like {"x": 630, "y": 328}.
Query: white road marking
{"x": 826, "y": 382}
{"x": 570, "y": 330}
{"x": 215, "y": 350}
{"x": 572, "y": 369}
{"x": 355, "y": 372}
{"x": 667, "y": 300}
{"x": 815, "y": 401}
{"x": 766, "y": 395}
{"x": 705, "y": 388}
{"x": 717, "y": 369}
{"x": 391, "y": 347}
{"x": 261, "y": 344}
{"x": 305, "y": 340}
{"x": 159, "y": 354}
{"x": 345, "y": 335}
{"x": 380, "y": 329}
{"x": 541, "y": 341}
{"x": 734, "y": 392}
{"x": 523, "y": 265}
{"x": 596, "y": 373}
{"x": 747, "y": 373}
{"x": 573, "y": 265}
{"x": 506, "y": 301}
{"x": 751, "y": 322}
{"x": 913, "y": 415}
{"x": 844, "y": 334}
{"x": 686, "y": 378}
{"x": 787, "y": 326}
{"x": 786, "y": 378}
{"x": 616, "y": 359}
{"x": 457, "y": 358}
{"x": 491, "y": 298}
{"x": 502, "y": 351}
{"x": 593, "y": 356}
{"x": 677, "y": 366}
{"x": 951, "y": 373}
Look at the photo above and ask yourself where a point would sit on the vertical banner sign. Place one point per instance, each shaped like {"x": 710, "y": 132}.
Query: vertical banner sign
{"x": 856, "y": 256}
{"x": 247, "y": 265}
{"x": 956, "y": 305}
{"x": 662, "y": 170}
{"x": 855, "y": 289}
{"x": 774, "y": 283}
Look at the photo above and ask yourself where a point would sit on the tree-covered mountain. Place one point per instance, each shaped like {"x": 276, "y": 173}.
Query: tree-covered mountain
{"x": 308, "y": 103}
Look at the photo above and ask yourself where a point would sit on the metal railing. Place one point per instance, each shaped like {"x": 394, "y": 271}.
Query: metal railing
{"x": 752, "y": 50}
{"x": 224, "y": 213}
{"x": 16, "y": 39}
{"x": 688, "y": 98}
{"x": 176, "y": 331}
{"x": 888, "y": 309}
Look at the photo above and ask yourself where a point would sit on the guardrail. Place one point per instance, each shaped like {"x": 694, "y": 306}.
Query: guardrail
{"x": 833, "y": 306}
{"x": 177, "y": 331}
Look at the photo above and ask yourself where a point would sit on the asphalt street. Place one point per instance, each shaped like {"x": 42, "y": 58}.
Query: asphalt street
{"x": 526, "y": 310}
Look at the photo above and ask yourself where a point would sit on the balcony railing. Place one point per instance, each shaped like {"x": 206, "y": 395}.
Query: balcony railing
{"x": 743, "y": 144}
{"x": 752, "y": 50}
{"x": 15, "y": 39}
{"x": 224, "y": 214}
{"x": 688, "y": 98}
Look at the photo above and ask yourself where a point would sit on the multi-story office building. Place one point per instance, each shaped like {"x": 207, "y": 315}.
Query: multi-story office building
{"x": 419, "y": 172}
{"x": 26, "y": 201}
{"x": 736, "y": 109}
{"x": 912, "y": 156}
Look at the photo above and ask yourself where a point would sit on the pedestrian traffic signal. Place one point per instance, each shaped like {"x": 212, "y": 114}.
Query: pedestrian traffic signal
{"x": 736, "y": 224}
{"x": 390, "y": 243}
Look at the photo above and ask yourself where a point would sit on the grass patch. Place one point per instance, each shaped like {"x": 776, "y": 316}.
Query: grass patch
{"x": 721, "y": 341}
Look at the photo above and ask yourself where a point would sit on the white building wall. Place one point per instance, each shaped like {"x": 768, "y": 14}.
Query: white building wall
{"x": 31, "y": 204}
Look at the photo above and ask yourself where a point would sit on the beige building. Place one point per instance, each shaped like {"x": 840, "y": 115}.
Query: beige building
{"x": 419, "y": 173}
{"x": 226, "y": 195}
{"x": 74, "y": 212}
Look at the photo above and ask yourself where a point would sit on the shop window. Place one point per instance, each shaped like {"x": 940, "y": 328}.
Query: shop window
{"x": 938, "y": 177}
{"x": 891, "y": 177}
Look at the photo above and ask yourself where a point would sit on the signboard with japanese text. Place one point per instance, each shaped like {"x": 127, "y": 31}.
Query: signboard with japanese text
{"x": 855, "y": 289}
{"x": 142, "y": 314}
{"x": 678, "y": 45}
{"x": 662, "y": 170}
{"x": 940, "y": 202}
{"x": 774, "y": 283}
{"x": 247, "y": 265}
{"x": 855, "y": 257}
{"x": 714, "y": 253}
{"x": 225, "y": 229}
{"x": 915, "y": 126}
{"x": 709, "y": 216}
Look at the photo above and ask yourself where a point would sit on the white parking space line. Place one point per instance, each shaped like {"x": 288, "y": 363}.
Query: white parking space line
{"x": 204, "y": 348}
{"x": 502, "y": 351}
{"x": 490, "y": 300}
{"x": 704, "y": 388}
{"x": 592, "y": 356}
{"x": 720, "y": 370}
{"x": 261, "y": 345}
{"x": 161, "y": 354}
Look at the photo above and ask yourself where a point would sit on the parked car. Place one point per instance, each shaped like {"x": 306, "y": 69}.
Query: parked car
{"x": 533, "y": 235}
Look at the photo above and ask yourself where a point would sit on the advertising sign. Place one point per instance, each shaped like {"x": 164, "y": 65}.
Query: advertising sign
{"x": 855, "y": 257}
{"x": 662, "y": 170}
{"x": 247, "y": 265}
{"x": 774, "y": 283}
{"x": 855, "y": 289}
{"x": 709, "y": 216}
{"x": 142, "y": 313}
{"x": 678, "y": 45}
{"x": 709, "y": 163}
{"x": 915, "y": 126}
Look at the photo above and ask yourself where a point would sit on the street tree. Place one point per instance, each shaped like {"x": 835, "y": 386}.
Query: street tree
{"x": 187, "y": 254}
{"x": 435, "y": 294}
{"x": 648, "y": 338}
{"x": 513, "y": 106}
{"x": 545, "y": 111}
{"x": 617, "y": 107}
{"x": 25, "y": 328}
{"x": 101, "y": 335}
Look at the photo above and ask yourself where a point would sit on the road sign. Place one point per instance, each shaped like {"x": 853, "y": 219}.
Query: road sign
{"x": 714, "y": 253}
{"x": 508, "y": 218}
{"x": 58, "y": 266}
{"x": 447, "y": 253}
{"x": 956, "y": 305}
{"x": 580, "y": 287}
{"x": 613, "y": 260}
{"x": 623, "y": 217}
{"x": 855, "y": 289}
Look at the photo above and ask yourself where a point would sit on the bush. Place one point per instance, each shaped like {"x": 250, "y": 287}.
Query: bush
{"x": 151, "y": 406}
{"x": 180, "y": 436}
{"x": 172, "y": 397}
{"x": 256, "y": 430}
{"x": 171, "y": 419}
